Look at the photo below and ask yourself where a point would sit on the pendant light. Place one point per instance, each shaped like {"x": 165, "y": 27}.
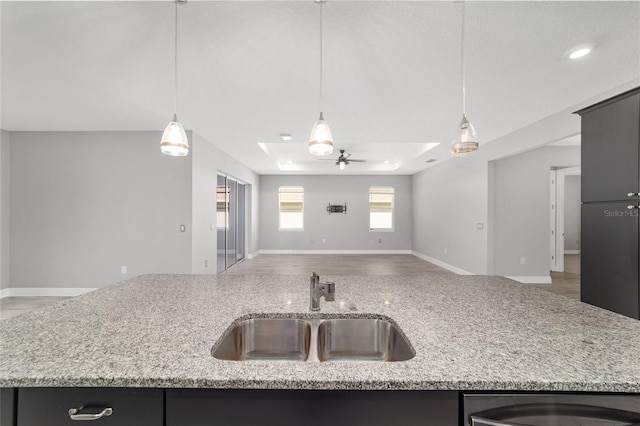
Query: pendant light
{"x": 174, "y": 140}
{"x": 467, "y": 141}
{"x": 320, "y": 140}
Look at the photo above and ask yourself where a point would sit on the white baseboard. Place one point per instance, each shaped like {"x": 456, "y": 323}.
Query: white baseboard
{"x": 441, "y": 264}
{"x": 35, "y": 292}
{"x": 532, "y": 280}
{"x": 335, "y": 252}
{"x": 572, "y": 252}
{"x": 253, "y": 255}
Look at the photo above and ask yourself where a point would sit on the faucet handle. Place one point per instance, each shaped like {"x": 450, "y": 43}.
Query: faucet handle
{"x": 329, "y": 291}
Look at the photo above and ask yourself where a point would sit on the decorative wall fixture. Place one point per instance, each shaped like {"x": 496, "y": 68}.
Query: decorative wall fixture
{"x": 174, "y": 139}
{"x": 337, "y": 208}
{"x": 467, "y": 141}
{"x": 321, "y": 140}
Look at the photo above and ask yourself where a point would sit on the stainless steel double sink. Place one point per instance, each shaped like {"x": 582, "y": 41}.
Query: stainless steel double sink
{"x": 314, "y": 340}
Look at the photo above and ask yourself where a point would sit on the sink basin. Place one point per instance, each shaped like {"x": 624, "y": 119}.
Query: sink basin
{"x": 266, "y": 339}
{"x": 361, "y": 339}
{"x": 313, "y": 340}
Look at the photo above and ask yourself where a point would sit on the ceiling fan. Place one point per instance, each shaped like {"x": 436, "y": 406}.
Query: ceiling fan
{"x": 343, "y": 160}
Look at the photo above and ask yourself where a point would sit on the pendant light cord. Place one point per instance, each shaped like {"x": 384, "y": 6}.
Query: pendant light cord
{"x": 464, "y": 101}
{"x": 320, "y": 100}
{"x": 175, "y": 62}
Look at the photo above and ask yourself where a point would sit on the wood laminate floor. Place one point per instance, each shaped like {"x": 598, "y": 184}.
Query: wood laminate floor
{"x": 14, "y": 306}
{"x": 565, "y": 283}
{"x": 335, "y": 264}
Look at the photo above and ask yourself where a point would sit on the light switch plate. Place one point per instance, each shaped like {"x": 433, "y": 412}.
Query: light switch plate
{"x": 183, "y": 228}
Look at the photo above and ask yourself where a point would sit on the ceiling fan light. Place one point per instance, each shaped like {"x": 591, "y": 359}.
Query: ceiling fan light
{"x": 174, "y": 139}
{"x": 342, "y": 165}
{"x": 320, "y": 140}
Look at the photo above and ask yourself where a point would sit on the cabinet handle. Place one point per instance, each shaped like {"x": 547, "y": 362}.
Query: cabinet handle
{"x": 632, "y": 194}
{"x": 632, "y": 207}
{"x": 481, "y": 421}
{"x": 74, "y": 414}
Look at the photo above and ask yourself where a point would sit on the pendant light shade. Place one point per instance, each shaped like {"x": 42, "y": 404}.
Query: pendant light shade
{"x": 174, "y": 140}
{"x": 466, "y": 142}
{"x": 320, "y": 140}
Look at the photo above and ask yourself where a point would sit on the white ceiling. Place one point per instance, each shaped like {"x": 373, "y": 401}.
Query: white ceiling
{"x": 249, "y": 71}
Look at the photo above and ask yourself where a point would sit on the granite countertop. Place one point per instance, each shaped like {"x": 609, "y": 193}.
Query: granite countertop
{"x": 469, "y": 332}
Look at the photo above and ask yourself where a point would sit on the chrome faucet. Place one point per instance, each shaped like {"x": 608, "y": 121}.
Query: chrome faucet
{"x": 318, "y": 289}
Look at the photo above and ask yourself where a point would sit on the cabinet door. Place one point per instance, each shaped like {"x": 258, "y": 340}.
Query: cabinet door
{"x": 610, "y": 153}
{"x": 7, "y": 407}
{"x": 609, "y": 264}
{"x": 50, "y": 406}
{"x": 210, "y": 407}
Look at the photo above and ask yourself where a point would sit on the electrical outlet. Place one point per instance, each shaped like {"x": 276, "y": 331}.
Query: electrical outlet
{"x": 522, "y": 260}
{"x": 379, "y": 240}
{"x": 183, "y": 228}
{"x": 206, "y": 263}
{"x": 123, "y": 269}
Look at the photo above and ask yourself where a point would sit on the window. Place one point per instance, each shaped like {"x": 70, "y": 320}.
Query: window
{"x": 381, "y": 209}
{"x": 291, "y": 202}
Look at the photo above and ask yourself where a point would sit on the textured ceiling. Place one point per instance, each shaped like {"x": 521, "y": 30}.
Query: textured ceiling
{"x": 249, "y": 71}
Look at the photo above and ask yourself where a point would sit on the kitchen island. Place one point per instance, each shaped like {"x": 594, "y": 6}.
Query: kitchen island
{"x": 469, "y": 333}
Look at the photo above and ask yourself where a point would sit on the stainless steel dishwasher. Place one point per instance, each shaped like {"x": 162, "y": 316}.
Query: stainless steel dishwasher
{"x": 557, "y": 409}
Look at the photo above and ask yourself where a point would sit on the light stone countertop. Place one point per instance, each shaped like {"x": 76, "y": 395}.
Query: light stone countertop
{"x": 469, "y": 332}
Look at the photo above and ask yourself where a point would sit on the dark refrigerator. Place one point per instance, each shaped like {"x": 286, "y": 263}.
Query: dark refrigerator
{"x": 611, "y": 204}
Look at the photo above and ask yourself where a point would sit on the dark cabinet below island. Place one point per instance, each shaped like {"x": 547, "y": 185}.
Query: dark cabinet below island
{"x": 212, "y": 407}
{"x": 50, "y": 406}
{"x": 229, "y": 407}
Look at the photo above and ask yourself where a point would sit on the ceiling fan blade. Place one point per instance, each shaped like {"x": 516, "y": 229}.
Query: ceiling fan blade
{"x": 357, "y": 161}
{"x": 325, "y": 159}
{"x": 346, "y": 156}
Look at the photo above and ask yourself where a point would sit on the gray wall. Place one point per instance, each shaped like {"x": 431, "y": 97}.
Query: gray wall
{"x": 521, "y": 209}
{"x": 340, "y": 231}
{"x": 83, "y": 204}
{"x": 5, "y": 182}
{"x": 449, "y": 200}
{"x": 572, "y": 212}
{"x": 207, "y": 161}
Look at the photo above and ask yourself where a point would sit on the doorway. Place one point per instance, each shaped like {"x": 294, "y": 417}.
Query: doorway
{"x": 230, "y": 221}
{"x": 565, "y": 219}
{"x": 565, "y": 231}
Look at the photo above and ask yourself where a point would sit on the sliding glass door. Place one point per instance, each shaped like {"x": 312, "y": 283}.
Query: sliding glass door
{"x": 230, "y": 221}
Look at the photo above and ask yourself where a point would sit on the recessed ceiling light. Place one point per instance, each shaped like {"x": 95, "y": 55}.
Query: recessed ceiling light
{"x": 285, "y": 136}
{"x": 386, "y": 161}
{"x": 580, "y": 51}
